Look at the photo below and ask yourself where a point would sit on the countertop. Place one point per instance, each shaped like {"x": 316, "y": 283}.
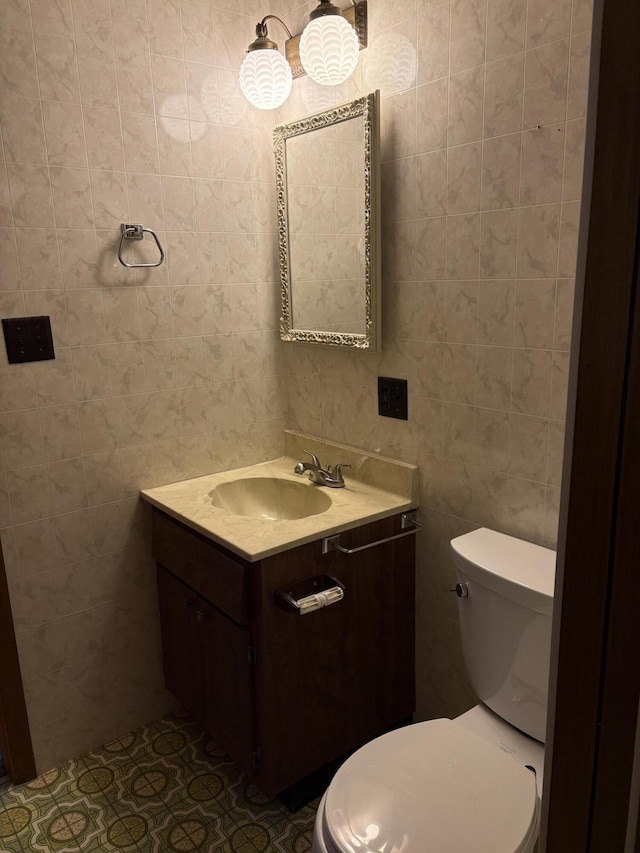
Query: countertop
{"x": 253, "y": 539}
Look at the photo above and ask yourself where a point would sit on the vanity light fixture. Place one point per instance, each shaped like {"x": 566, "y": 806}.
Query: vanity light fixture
{"x": 326, "y": 50}
{"x": 329, "y": 46}
{"x": 265, "y": 75}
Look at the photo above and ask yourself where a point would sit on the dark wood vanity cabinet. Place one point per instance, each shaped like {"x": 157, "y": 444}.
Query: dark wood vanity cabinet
{"x": 286, "y": 694}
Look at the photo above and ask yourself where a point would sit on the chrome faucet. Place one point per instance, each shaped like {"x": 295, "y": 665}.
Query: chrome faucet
{"x": 331, "y": 477}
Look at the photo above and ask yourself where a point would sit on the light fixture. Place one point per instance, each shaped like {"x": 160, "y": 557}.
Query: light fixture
{"x": 265, "y": 75}
{"x": 332, "y": 40}
{"x": 329, "y": 46}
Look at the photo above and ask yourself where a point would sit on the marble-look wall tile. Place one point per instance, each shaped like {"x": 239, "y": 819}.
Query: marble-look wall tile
{"x": 72, "y": 199}
{"x": 30, "y": 190}
{"x": 54, "y": 17}
{"x": 547, "y": 21}
{"x": 18, "y": 64}
{"x": 432, "y": 115}
{"x": 65, "y": 134}
{"x": 57, "y": 68}
{"x": 503, "y": 96}
{"x": 528, "y": 447}
{"x": 39, "y": 258}
{"x": 22, "y": 129}
{"x": 582, "y": 14}
{"x": 498, "y": 243}
{"x": 461, "y": 311}
{"x": 463, "y": 178}
{"x": 578, "y": 87}
{"x": 11, "y": 279}
{"x": 543, "y": 152}
{"x": 539, "y": 233}
{"x": 506, "y": 22}
{"x": 465, "y": 106}
{"x": 79, "y": 258}
{"x": 545, "y": 87}
{"x": 468, "y": 23}
{"x": 21, "y": 436}
{"x": 61, "y": 432}
{"x": 463, "y": 246}
{"x": 104, "y": 139}
{"x": 54, "y": 379}
{"x": 531, "y": 385}
{"x": 433, "y": 42}
{"x": 15, "y": 15}
{"x": 29, "y": 494}
{"x": 501, "y": 171}
{"x": 534, "y": 313}
{"x": 494, "y": 368}
{"x": 492, "y": 439}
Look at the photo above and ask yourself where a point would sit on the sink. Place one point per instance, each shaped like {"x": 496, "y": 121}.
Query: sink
{"x": 270, "y": 498}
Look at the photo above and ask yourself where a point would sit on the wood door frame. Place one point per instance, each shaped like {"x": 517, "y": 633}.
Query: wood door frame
{"x": 594, "y": 694}
{"x": 15, "y": 736}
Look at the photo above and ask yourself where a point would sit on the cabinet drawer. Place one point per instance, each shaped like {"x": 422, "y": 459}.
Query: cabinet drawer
{"x": 218, "y": 578}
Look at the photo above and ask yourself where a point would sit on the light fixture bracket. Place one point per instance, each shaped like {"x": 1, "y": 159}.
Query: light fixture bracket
{"x": 325, "y": 7}
{"x": 356, "y": 15}
{"x": 262, "y": 43}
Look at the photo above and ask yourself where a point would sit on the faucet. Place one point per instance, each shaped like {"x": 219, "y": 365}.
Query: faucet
{"x": 331, "y": 477}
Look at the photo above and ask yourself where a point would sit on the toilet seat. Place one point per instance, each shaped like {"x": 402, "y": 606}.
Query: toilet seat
{"x": 432, "y": 786}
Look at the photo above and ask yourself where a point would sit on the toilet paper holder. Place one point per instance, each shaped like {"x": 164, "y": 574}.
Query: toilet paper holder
{"x": 310, "y": 594}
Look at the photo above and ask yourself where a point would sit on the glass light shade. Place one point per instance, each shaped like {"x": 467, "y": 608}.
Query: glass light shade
{"x": 265, "y": 78}
{"x": 329, "y": 49}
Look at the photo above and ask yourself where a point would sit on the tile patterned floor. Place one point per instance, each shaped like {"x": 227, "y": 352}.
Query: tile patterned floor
{"x": 165, "y": 788}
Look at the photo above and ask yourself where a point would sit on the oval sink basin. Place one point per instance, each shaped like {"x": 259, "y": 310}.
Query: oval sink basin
{"x": 270, "y": 498}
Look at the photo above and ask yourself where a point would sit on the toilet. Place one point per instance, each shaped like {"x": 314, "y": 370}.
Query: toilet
{"x": 473, "y": 783}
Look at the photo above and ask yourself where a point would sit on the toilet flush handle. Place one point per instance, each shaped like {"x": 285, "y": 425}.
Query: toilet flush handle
{"x": 461, "y": 590}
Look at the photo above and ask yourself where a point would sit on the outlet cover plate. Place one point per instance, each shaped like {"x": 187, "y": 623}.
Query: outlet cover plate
{"x": 392, "y": 398}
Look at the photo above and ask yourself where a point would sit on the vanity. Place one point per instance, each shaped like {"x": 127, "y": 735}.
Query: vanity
{"x": 288, "y": 632}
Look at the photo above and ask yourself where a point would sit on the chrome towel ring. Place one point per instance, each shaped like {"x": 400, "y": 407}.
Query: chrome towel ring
{"x": 137, "y": 232}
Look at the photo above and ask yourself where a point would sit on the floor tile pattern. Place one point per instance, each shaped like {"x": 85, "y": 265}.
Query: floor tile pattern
{"x": 165, "y": 788}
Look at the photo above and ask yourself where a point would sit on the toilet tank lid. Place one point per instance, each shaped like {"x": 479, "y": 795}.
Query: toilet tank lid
{"x": 490, "y": 557}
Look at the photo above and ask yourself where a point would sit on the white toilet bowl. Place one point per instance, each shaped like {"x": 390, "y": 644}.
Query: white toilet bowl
{"x": 473, "y": 784}
{"x": 448, "y": 786}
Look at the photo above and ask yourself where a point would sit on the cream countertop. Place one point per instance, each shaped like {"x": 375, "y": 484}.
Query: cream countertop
{"x": 357, "y": 503}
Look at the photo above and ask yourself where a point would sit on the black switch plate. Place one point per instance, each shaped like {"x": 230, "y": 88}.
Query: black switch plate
{"x": 28, "y": 339}
{"x": 392, "y": 398}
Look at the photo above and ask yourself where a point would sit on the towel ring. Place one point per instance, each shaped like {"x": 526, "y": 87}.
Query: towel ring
{"x": 137, "y": 232}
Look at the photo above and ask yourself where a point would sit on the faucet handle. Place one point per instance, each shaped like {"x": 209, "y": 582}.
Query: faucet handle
{"x": 336, "y": 470}
{"x": 314, "y": 458}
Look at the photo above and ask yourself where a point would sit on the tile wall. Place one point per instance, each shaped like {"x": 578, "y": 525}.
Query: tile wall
{"x": 483, "y": 122}
{"x": 117, "y": 112}
{"x": 130, "y": 111}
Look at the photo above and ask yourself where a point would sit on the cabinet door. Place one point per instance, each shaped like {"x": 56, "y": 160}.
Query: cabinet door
{"x": 207, "y": 666}
{"x": 227, "y": 671}
{"x": 330, "y": 680}
{"x": 180, "y": 643}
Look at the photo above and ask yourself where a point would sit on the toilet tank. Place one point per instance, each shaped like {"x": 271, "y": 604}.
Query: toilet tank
{"x": 505, "y": 624}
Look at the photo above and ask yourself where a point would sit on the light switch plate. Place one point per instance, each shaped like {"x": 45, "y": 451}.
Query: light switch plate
{"x": 28, "y": 339}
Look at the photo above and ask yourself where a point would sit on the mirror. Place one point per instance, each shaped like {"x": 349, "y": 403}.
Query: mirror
{"x": 328, "y": 190}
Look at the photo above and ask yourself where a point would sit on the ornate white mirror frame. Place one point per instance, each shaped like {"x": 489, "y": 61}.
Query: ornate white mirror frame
{"x": 368, "y": 108}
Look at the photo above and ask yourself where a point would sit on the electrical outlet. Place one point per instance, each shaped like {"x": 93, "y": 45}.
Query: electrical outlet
{"x": 392, "y": 398}
{"x": 28, "y": 339}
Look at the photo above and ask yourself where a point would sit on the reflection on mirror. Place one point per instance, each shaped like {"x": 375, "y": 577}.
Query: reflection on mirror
{"x": 327, "y": 174}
